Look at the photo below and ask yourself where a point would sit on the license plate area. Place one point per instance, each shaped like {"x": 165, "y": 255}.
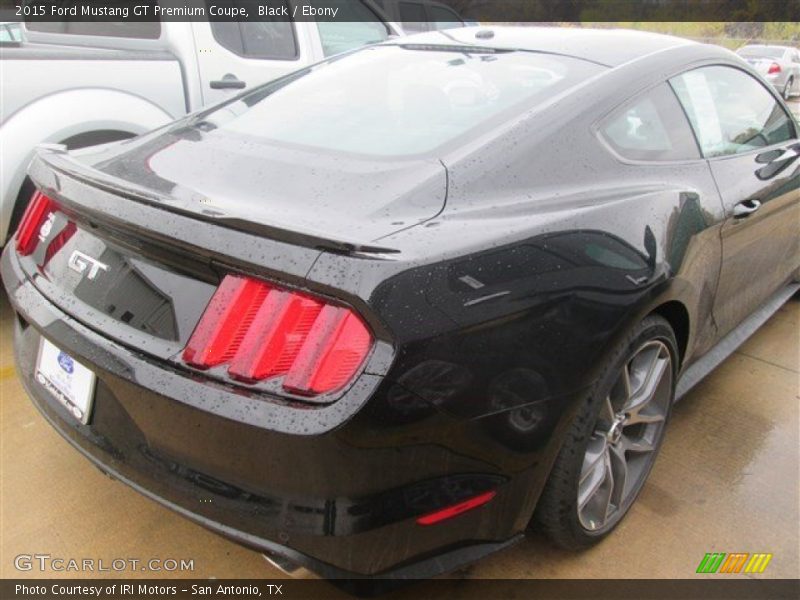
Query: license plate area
{"x": 67, "y": 380}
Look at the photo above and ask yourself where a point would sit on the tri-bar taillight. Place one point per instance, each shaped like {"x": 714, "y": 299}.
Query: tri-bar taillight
{"x": 38, "y": 210}
{"x": 261, "y": 331}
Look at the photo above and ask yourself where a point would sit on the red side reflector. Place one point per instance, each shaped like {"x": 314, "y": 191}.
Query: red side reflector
{"x": 456, "y": 509}
{"x": 261, "y": 331}
{"x": 774, "y": 68}
{"x": 39, "y": 209}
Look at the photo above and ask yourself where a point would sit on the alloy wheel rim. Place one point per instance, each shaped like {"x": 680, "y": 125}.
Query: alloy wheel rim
{"x": 623, "y": 445}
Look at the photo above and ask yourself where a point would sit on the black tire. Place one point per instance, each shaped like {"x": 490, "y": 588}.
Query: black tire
{"x": 556, "y": 514}
{"x": 787, "y": 90}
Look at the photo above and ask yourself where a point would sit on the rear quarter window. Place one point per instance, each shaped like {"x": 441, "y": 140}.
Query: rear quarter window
{"x": 651, "y": 127}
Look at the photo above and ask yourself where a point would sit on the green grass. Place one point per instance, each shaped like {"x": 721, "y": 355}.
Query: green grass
{"x": 729, "y": 34}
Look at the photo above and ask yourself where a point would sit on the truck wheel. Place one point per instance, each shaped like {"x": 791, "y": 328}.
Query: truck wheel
{"x": 614, "y": 440}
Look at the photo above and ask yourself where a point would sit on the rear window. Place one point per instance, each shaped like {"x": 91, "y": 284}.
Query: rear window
{"x": 401, "y": 100}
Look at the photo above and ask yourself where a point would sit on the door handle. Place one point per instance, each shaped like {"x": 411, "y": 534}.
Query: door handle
{"x": 746, "y": 208}
{"x": 229, "y": 81}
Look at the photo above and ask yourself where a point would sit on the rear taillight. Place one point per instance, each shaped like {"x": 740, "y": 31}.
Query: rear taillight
{"x": 774, "y": 68}
{"x": 39, "y": 210}
{"x": 261, "y": 331}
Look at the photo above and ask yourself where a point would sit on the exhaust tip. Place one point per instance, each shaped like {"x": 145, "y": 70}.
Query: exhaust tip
{"x": 288, "y": 566}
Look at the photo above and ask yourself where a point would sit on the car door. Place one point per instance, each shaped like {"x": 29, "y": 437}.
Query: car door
{"x": 233, "y": 55}
{"x": 751, "y": 145}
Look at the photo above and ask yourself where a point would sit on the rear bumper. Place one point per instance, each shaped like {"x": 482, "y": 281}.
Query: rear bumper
{"x": 341, "y": 502}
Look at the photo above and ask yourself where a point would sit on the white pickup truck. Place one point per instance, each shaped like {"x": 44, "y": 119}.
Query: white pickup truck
{"x": 80, "y": 84}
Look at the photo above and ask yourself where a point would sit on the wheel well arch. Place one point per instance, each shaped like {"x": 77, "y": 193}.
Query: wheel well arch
{"x": 677, "y": 316}
{"x": 62, "y": 116}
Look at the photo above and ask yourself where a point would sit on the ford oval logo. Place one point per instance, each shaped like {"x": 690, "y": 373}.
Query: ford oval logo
{"x": 66, "y": 362}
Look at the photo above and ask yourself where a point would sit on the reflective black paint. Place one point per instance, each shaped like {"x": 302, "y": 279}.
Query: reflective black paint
{"x": 495, "y": 277}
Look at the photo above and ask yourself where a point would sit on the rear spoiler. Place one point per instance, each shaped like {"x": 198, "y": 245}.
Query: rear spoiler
{"x": 57, "y": 159}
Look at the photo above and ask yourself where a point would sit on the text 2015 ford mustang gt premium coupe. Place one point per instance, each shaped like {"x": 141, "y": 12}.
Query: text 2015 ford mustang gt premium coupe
{"x": 377, "y": 317}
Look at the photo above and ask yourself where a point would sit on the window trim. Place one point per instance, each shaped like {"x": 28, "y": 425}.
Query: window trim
{"x": 381, "y": 18}
{"x": 754, "y": 76}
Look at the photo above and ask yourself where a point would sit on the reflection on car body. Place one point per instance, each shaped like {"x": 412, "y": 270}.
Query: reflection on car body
{"x": 388, "y": 311}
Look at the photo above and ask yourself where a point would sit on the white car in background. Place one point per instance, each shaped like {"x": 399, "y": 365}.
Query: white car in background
{"x": 87, "y": 83}
{"x": 780, "y": 65}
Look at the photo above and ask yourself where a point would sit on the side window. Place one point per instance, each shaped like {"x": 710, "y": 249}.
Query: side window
{"x": 145, "y": 30}
{"x": 412, "y": 17}
{"x": 355, "y": 26}
{"x": 651, "y": 127}
{"x": 730, "y": 111}
{"x": 444, "y": 18}
{"x": 256, "y": 39}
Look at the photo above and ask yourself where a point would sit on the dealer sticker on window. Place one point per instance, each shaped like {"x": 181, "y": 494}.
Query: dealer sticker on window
{"x": 70, "y": 382}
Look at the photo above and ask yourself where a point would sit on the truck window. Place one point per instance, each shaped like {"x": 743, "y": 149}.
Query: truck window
{"x": 266, "y": 40}
{"x": 355, "y": 26}
{"x": 444, "y": 18}
{"x": 412, "y": 17}
{"x": 127, "y": 29}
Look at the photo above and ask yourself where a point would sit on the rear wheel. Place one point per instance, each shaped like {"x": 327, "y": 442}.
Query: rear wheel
{"x": 613, "y": 442}
{"x": 787, "y": 90}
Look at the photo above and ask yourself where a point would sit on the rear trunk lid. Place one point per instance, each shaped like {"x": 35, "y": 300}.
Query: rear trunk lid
{"x": 311, "y": 197}
{"x": 145, "y": 229}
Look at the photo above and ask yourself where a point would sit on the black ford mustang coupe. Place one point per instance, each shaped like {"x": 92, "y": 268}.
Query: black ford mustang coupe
{"x": 381, "y": 316}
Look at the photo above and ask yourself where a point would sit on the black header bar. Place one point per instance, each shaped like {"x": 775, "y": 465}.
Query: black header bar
{"x": 507, "y": 11}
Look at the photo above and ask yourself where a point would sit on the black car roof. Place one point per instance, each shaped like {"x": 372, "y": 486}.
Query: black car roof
{"x": 610, "y": 47}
